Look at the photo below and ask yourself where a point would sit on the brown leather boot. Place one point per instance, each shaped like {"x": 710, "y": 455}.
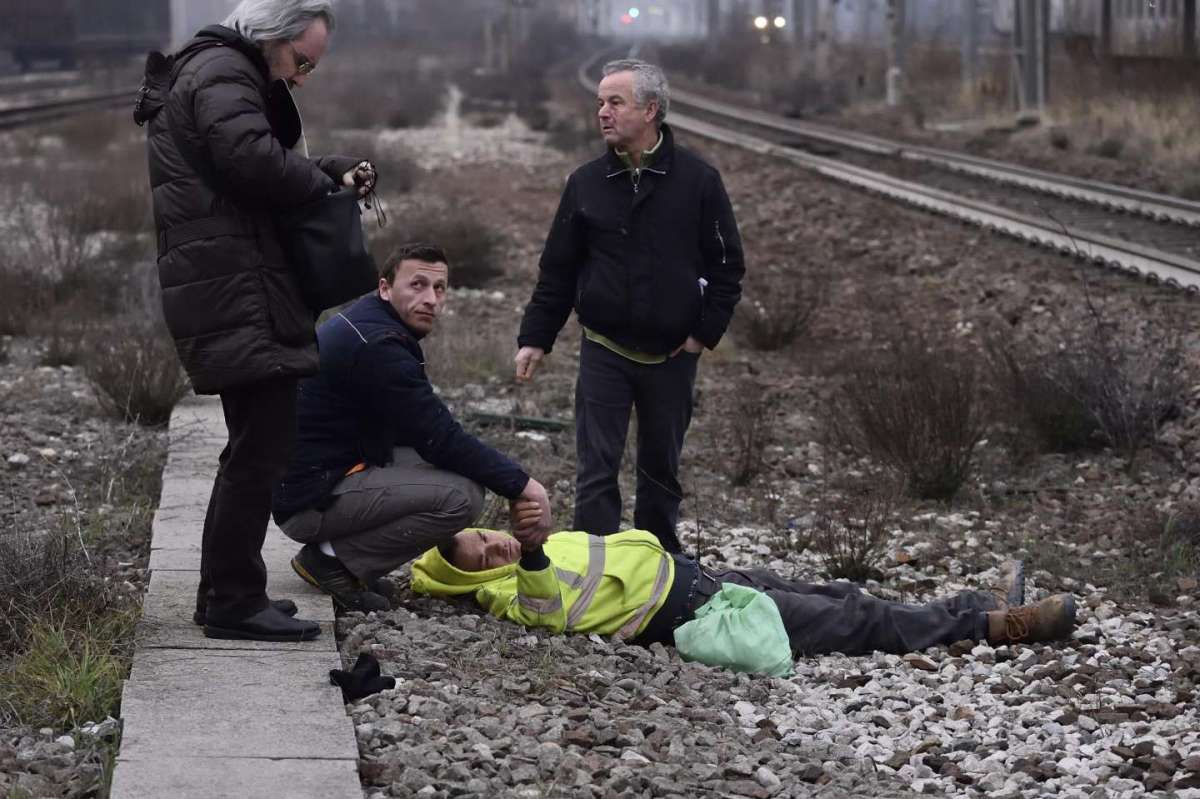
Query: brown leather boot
{"x": 1009, "y": 590}
{"x": 1049, "y": 620}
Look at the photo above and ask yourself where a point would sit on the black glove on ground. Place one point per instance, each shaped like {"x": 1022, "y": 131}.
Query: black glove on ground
{"x": 362, "y": 680}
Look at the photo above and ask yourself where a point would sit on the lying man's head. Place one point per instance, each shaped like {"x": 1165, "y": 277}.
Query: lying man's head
{"x": 480, "y": 550}
{"x": 414, "y": 280}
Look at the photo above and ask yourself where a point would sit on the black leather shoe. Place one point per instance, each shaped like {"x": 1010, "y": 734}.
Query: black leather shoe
{"x": 331, "y": 576}
{"x": 285, "y": 606}
{"x": 266, "y": 625}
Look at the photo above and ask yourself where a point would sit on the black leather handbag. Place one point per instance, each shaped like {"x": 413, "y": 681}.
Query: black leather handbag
{"x": 327, "y": 250}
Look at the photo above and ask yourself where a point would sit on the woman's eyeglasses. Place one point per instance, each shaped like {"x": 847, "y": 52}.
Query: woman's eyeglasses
{"x": 304, "y": 64}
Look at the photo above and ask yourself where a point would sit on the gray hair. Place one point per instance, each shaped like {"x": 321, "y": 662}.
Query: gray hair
{"x": 649, "y": 84}
{"x": 263, "y": 21}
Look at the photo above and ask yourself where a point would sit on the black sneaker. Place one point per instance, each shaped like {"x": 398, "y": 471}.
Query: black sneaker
{"x": 331, "y": 576}
{"x": 285, "y": 606}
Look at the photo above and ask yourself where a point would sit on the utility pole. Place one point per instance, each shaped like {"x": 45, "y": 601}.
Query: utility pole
{"x": 1030, "y": 50}
{"x": 897, "y": 17}
{"x": 970, "y": 50}
{"x": 1106, "y": 17}
{"x": 1189, "y": 28}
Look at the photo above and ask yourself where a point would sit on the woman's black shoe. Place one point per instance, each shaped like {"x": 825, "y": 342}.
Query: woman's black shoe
{"x": 285, "y": 606}
{"x": 266, "y": 625}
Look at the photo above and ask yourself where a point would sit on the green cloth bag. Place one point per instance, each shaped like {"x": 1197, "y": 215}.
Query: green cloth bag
{"x": 740, "y": 629}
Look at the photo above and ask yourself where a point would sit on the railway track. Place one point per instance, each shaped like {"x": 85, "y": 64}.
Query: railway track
{"x": 34, "y": 113}
{"x": 1141, "y": 233}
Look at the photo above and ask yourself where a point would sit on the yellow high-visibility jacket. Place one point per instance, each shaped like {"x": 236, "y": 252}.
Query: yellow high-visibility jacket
{"x": 611, "y": 585}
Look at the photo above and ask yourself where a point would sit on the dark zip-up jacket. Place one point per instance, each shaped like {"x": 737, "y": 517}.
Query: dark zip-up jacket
{"x": 221, "y": 168}
{"x": 370, "y": 395}
{"x": 629, "y": 256}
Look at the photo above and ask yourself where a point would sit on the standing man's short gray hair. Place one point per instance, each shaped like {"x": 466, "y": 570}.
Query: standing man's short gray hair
{"x": 649, "y": 83}
{"x": 263, "y": 21}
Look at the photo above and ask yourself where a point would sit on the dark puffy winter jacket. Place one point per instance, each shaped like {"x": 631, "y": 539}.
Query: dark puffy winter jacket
{"x": 629, "y": 258}
{"x": 221, "y": 169}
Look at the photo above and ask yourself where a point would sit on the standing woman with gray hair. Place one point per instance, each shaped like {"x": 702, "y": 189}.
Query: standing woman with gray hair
{"x": 226, "y": 157}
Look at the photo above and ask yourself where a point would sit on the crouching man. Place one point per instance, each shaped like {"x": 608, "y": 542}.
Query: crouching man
{"x": 382, "y": 471}
{"x": 627, "y": 585}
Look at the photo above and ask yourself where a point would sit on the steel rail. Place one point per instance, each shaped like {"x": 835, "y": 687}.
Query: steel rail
{"x": 1169, "y": 268}
{"x": 20, "y": 116}
{"x": 1107, "y": 195}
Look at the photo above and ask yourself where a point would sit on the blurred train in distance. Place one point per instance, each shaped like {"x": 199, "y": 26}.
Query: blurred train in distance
{"x": 66, "y": 34}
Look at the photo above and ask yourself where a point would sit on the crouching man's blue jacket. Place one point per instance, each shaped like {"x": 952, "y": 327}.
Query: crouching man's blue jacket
{"x": 370, "y": 396}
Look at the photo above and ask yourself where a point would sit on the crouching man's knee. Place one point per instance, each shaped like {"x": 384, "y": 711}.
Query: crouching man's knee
{"x": 464, "y": 503}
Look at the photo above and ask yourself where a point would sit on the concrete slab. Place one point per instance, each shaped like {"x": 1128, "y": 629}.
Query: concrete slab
{"x": 240, "y": 703}
{"x": 236, "y": 778}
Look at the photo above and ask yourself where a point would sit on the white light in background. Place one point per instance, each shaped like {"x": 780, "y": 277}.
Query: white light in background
{"x": 761, "y": 23}
{"x": 635, "y": 12}
{"x": 780, "y": 22}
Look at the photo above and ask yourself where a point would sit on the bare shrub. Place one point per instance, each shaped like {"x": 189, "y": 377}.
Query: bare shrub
{"x": 24, "y": 294}
{"x": 375, "y": 87}
{"x": 852, "y": 531}
{"x": 1042, "y": 396}
{"x": 135, "y": 373}
{"x": 471, "y": 246}
{"x": 750, "y": 429}
{"x": 457, "y": 353}
{"x": 1100, "y": 383}
{"x": 917, "y": 409}
{"x": 779, "y": 306}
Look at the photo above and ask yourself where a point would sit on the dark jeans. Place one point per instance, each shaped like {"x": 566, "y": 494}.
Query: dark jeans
{"x": 839, "y": 617}
{"x": 608, "y": 388}
{"x": 385, "y": 516}
{"x": 261, "y": 418}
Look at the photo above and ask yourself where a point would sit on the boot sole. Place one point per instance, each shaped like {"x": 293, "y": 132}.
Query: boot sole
{"x": 338, "y": 599}
{"x": 234, "y": 634}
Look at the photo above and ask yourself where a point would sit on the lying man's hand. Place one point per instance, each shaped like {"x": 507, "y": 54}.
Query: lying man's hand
{"x": 532, "y": 529}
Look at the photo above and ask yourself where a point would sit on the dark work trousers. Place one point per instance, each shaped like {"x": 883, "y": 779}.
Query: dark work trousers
{"x": 608, "y": 388}
{"x": 839, "y": 617}
{"x": 261, "y": 418}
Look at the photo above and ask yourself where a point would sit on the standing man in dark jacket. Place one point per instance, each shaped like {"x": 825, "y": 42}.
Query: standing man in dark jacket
{"x": 645, "y": 248}
{"x": 382, "y": 471}
{"x": 226, "y": 155}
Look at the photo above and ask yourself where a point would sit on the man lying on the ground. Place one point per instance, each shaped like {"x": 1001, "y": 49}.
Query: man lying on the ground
{"x": 627, "y": 585}
{"x": 381, "y": 470}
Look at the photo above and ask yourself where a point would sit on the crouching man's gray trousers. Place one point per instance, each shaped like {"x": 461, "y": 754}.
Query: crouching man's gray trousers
{"x": 386, "y": 516}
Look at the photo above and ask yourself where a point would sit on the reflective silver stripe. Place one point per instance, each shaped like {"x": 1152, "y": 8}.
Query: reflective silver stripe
{"x": 660, "y": 586}
{"x": 595, "y": 572}
{"x": 544, "y": 606}
{"x": 573, "y": 579}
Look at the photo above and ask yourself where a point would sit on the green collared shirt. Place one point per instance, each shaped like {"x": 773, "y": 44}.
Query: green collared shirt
{"x": 648, "y": 157}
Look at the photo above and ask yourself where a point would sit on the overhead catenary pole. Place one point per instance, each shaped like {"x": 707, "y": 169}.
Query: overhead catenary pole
{"x": 897, "y": 17}
{"x": 1030, "y": 50}
{"x": 970, "y": 50}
